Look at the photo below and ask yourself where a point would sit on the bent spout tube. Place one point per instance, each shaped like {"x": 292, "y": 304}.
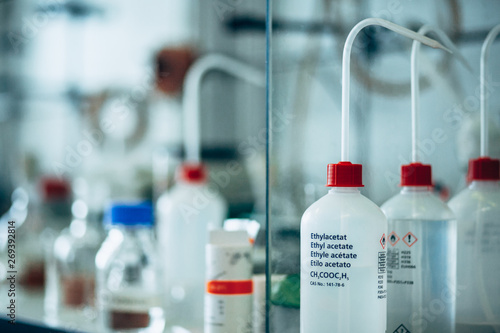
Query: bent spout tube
{"x": 191, "y": 95}
{"x": 415, "y": 83}
{"x": 346, "y": 68}
{"x": 484, "y": 99}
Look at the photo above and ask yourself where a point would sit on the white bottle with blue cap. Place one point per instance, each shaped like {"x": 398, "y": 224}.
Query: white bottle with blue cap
{"x": 129, "y": 277}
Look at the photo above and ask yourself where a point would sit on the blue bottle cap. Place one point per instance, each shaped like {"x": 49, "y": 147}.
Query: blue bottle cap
{"x": 130, "y": 214}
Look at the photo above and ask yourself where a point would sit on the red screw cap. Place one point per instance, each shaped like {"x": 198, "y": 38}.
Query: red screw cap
{"x": 344, "y": 174}
{"x": 54, "y": 188}
{"x": 192, "y": 173}
{"x": 484, "y": 168}
{"x": 416, "y": 174}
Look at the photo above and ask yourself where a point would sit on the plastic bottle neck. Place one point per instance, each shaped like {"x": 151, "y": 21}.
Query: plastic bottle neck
{"x": 136, "y": 234}
{"x": 485, "y": 185}
{"x": 415, "y": 189}
{"x": 344, "y": 190}
{"x": 190, "y": 184}
{"x": 132, "y": 229}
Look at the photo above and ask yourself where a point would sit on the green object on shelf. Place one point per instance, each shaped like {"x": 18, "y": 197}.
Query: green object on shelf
{"x": 286, "y": 292}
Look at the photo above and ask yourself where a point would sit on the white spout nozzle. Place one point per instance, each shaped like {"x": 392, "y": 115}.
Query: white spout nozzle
{"x": 191, "y": 95}
{"x": 484, "y": 100}
{"x": 346, "y": 68}
{"x": 415, "y": 83}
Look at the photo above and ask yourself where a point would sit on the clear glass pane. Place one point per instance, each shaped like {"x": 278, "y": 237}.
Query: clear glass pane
{"x": 305, "y": 58}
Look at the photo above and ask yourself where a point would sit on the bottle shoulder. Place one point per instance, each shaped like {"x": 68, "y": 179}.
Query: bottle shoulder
{"x": 109, "y": 248}
{"x": 473, "y": 199}
{"x": 188, "y": 194}
{"x": 337, "y": 206}
{"x": 417, "y": 205}
{"x": 126, "y": 248}
{"x": 191, "y": 204}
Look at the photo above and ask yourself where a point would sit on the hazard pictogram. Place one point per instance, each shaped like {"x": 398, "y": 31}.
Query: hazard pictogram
{"x": 393, "y": 238}
{"x": 383, "y": 241}
{"x": 410, "y": 239}
{"x": 401, "y": 329}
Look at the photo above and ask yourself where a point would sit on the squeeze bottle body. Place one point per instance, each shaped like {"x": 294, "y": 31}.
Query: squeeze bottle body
{"x": 343, "y": 259}
{"x": 421, "y": 252}
{"x": 185, "y": 215}
{"x": 478, "y": 213}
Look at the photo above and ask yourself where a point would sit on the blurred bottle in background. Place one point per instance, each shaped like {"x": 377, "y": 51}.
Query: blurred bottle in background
{"x": 69, "y": 293}
{"x": 129, "y": 277}
{"x": 48, "y": 212}
{"x": 54, "y": 208}
{"x": 478, "y": 211}
{"x": 39, "y": 210}
{"x": 186, "y": 213}
{"x": 421, "y": 252}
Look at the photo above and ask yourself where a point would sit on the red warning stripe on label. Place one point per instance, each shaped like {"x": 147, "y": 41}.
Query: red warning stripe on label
{"x": 218, "y": 287}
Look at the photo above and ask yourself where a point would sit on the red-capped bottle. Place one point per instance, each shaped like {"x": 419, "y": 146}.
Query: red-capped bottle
{"x": 343, "y": 258}
{"x": 421, "y": 252}
{"x": 478, "y": 214}
{"x": 185, "y": 214}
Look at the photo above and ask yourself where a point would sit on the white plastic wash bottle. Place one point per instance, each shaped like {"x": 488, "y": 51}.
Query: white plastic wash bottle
{"x": 343, "y": 259}
{"x": 421, "y": 249}
{"x": 185, "y": 215}
{"x": 478, "y": 213}
{"x": 478, "y": 283}
{"x": 421, "y": 252}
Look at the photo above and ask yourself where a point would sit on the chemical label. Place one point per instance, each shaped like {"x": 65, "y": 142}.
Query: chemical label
{"x": 490, "y": 237}
{"x": 393, "y": 259}
{"x": 393, "y": 238}
{"x": 331, "y": 251}
{"x": 215, "y": 310}
{"x": 218, "y": 287}
{"x": 383, "y": 241}
{"x": 410, "y": 239}
{"x": 399, "y": 258}
{"x": 397, "y": 261}
{"x": 401, "y": 329}
{"x": 129, "y": 302}
{"x": 332, "y": 258}
{"x": 382, "y": 262}
{"x": 418, "y": 264}
{"x": 225, "y": 313}
{"x": 343, "y": 271}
